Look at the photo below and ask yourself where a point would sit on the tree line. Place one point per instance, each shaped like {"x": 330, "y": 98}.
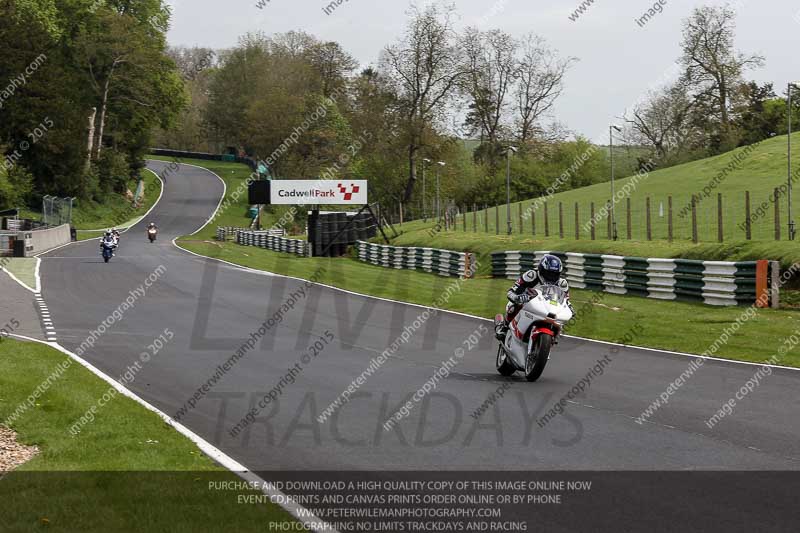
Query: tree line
{"x": 710, "y": 107}
{"x": 89, "y": 81}
{"x": 112, "y": 88}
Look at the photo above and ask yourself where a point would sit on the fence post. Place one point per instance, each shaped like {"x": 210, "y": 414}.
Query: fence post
{"x": 649, "y": 220}
{"x": 608, "y": 220}
{"x": 533, "y": 217}
{"x": 628, "y": 215}
{"x": 485, "y": 218}
{"x": 694, "y": 219}
{"x": 465, "y": 220}
{"x": 560, "y": 220}
{"x": 401, "y": 214}
{"x": 521, "y": 228}
{"x": 474, "y": 218}
{"x": 777, "y": 214}
{"x": 720, "y": 229}
{"x": 670, "y": 230}
{"x": 591, "y": 220}
{"x": 497, "y": 220}
{"x": 747, "y": 221}
{"x": 577, "y": 223}
{"x": 546, "y": 222}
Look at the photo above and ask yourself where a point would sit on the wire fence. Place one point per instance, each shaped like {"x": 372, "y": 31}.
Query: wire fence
{"x": 759, "y": 215}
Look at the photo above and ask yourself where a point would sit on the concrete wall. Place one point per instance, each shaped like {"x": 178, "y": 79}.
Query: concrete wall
{"x": 39, "y": 241}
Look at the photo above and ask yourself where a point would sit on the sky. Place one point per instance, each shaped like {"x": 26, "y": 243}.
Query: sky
{"x": 618, "y": 60}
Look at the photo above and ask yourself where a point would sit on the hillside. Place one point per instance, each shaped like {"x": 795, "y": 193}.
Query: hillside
{"x": 758, "y": 169}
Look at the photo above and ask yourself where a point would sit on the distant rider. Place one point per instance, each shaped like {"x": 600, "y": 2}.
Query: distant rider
{"x": 549, "y": 271}
{"x": 109, "y": 241}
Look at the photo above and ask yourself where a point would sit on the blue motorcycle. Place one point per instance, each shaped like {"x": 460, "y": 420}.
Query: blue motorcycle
{"x": 108, "y": 252}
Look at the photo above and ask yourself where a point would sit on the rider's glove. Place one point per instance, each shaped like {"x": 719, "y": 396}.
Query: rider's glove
{"x": 523, "y": 298}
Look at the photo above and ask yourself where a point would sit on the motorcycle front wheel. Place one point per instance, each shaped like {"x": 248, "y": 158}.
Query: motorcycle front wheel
{"x": 504, "y": 366}
{"x": 537, "y": 359}
{"x": 106, "y": 258}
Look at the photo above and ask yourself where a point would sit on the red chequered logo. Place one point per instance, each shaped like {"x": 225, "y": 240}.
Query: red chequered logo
{"x": 349, "y": 195}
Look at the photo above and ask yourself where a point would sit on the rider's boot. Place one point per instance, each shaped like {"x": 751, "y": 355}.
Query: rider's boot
{"x": 501, "y": 331}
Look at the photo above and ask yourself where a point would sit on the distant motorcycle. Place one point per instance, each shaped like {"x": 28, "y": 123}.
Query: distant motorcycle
{"x": 537, "y": 326}
{"x": 152, "y": 233}
{"x": 107, "y": 251}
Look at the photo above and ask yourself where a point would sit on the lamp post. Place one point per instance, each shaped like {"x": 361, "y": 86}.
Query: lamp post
{"x": 611, "y": 129}
{"x": 438, "y": 201}
{"x": 510, "y": 150}
{"x": 789, "y": 159}
{"x": 425, "y": 163}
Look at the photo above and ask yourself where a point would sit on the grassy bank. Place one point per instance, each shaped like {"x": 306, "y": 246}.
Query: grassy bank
{"x": 115, "y": 211}
{"x": 92, "y": 220}
{"x": 126, "y": 471}
{"x": 420, "y": 234}
{"x": 758, "y": 169}
{"x": 234, "y": 214}
{"x": 699, "y": 325}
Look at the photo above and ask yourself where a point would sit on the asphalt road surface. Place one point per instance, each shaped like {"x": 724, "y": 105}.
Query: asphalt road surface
{"x": 213, "y": 308}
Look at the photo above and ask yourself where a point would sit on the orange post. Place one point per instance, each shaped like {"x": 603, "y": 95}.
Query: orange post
{"x": 762, "y": 286}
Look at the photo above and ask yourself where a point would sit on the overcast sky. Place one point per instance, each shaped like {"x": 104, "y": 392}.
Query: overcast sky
{"x": 619, "y": 60}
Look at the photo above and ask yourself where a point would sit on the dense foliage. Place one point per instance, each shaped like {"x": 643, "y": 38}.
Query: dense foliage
{"x": 83, "y": 83}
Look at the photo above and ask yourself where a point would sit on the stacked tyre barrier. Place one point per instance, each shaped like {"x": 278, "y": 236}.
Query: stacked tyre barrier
{"x": 709, "y": 282}
{"x": 442, "y": 262}
{"x": 229, "y": 233}
{"x": 263, "y": 239}
{"x": 332, "y": 233}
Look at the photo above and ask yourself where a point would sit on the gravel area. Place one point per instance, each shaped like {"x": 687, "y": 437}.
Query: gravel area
{"x": 12, "y": 453}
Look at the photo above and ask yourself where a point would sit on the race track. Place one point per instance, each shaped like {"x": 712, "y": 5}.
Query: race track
{"x": 212, "y": 308}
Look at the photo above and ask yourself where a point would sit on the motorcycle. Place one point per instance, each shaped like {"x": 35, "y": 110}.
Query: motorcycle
{"x": 107, "y": 251}
{"x": 532, "y": 333}
{"x": 152, "y": 233}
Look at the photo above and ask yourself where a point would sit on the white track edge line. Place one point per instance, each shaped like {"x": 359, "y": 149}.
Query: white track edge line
{"x": 206, "y": 447}
{"x": 15, "y": 278}
{"x": 163, "y": 185}
{"x": 222, "y": 198}
{"x": 265, "y": 273}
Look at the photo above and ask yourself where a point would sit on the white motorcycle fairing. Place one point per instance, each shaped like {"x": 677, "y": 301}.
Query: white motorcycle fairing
{"x": 533, "y": 331}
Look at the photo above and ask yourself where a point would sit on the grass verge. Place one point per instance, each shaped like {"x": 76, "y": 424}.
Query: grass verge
{"x": 610, "y": 317}
{"x": 234, "y": 213}
{"x": 605, "y": 316}
{"x": 419, "y": 233}
{"x": 22, "y": 268}
{"x": 126, "y": 471}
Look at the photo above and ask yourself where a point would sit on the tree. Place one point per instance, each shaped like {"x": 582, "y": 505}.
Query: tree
{"x": 540, "y": 82}
{"x": 333, "y": 65}
{"x": 713, "y": 68}
{"x": 491, "y": 68}
{"x": 663, "y": 121}
{"x": 130, "y": 74}
{"x": 424, "y": 68}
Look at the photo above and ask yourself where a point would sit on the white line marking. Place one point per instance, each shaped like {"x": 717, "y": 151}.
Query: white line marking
{"x": 219, "y": 204}
{"x": 123, "y": 231}
{"x": 15, "y": 278}
{"x": 206, "y": 447}
{"x": 458, "y": 313}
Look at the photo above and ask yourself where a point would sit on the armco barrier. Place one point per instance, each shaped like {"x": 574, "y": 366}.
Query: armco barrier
{"x": 442, "y": 262}
{"x": 709, "y": 282}
{"x": 263, "y": 239}
{"x": 249, "y": 161}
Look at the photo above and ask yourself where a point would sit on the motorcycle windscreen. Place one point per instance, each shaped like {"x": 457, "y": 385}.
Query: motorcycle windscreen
{"x": 553, "y": 293}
